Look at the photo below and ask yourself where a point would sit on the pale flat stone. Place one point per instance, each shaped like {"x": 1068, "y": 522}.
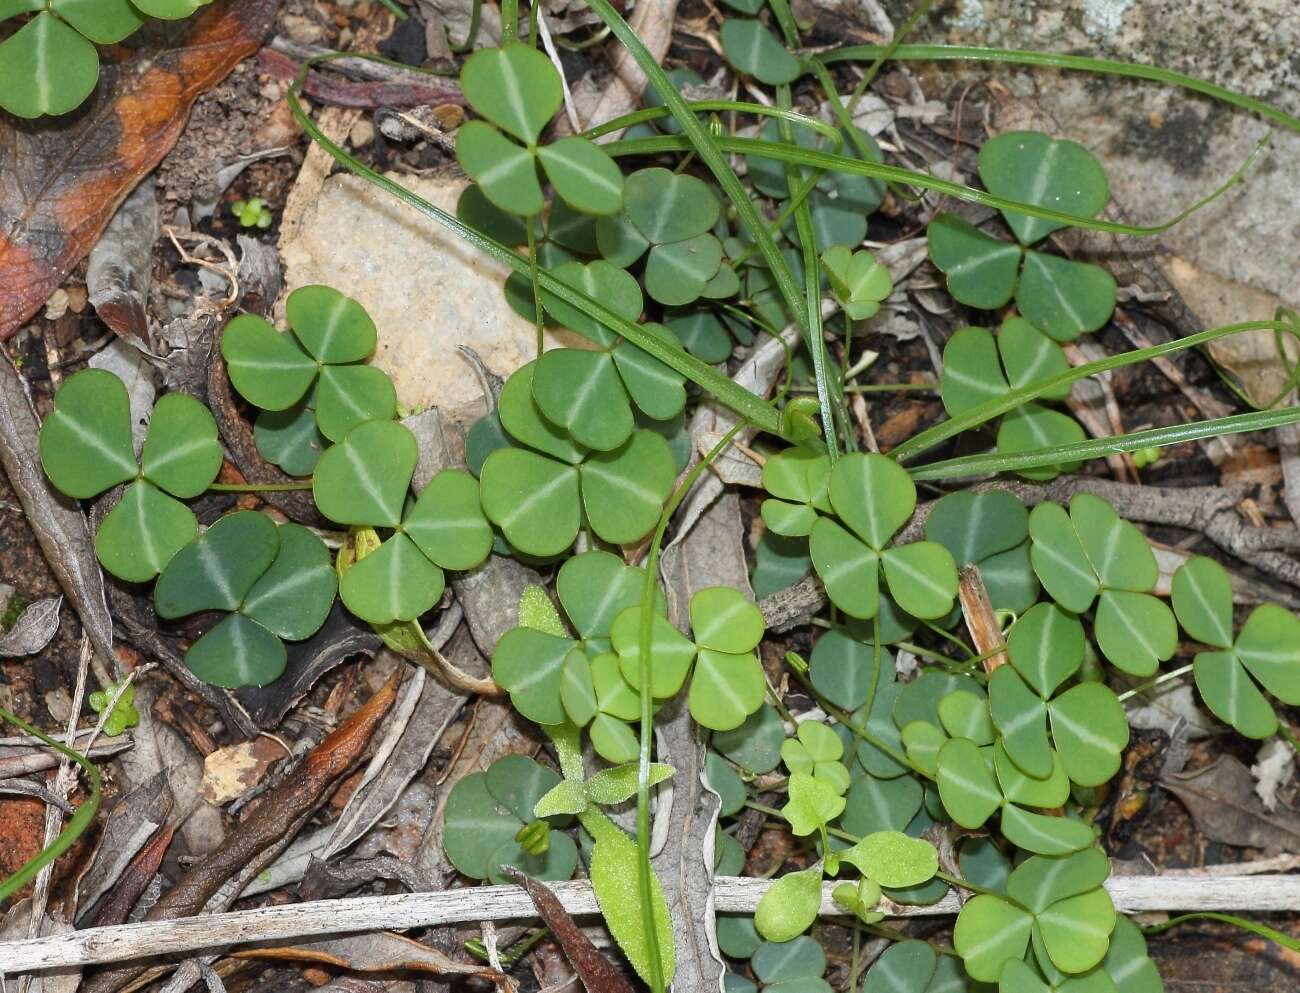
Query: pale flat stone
{"x": 427, "y": 290}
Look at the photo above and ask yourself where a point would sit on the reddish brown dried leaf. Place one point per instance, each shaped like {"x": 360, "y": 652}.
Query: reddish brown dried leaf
{"x": 62, "y": 181}
{"x": 597, "y": 973}
{"x": 137, "y": 876}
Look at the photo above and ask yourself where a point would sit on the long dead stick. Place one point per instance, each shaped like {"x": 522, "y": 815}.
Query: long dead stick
{"x": 493, "y": 903}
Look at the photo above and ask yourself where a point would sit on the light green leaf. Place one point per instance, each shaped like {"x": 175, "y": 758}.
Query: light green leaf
{"x": 972, "y": 372}
{"x": 46, "y": 68}
{"x": 1202, "y": 599}
{"x": 1076, "y": 931}
{"x": 595, "y": 587}
{"x": 1045, "y": 172}
{"x": 143, "y": 532}
{"x": 619, "y": 783}
{"x": 623, "y": 491}
{"x": 723, "y": 619}
{"x": 873, "y": 495}
{"x": 529, "y": 665}
{"x": 105, "y": 22}
{"x": 181, "y": 454}
{"x": 1017, "y": 787}
{"x": 1135, "y": 631}
{"x": 1059, "y": 559}
{"x": 1033, "y": 426}
{"x": 665, "y": 206}
{"x": 268, "y": 368}
{"x": 616, "y": 881}
{"x": 677, "y": 273}
{"x": 237, "y": 652}
{"x": 294, "y": 596}
{"x": 333, "y": 328}
{"x": 218, "y": 570}
{"x": 1046, "y": 646}
{"x": 1064, "y": 298}
{"x": 1269, "y": 646}
{"x": 1043, "y": 834}
{"x": 790, "y": 905}
{"x": 980, "y": 269}
{"x": 753, "y": 50}
{"x": 922, "y": 578}
{"x": 1127, "y": 962}
{"x": 849, "y": 570}
{"x": 348, "y": 395}
{"x": 505, "y": 172}
{"x": 812, "y": 803}
{"x": 565, "y": 797}
{"x": 581, "y": 391}
{"x": 365, "y": 477}
{"x": 85, "y": 443}
{"x": 396, "y": 582}
{"x": 612, "y": 739}
{"x": 447, "y": 522}
{"x": 1090, "y": 731}
{"x": 533, "y": 499}
{"x": 976, "y": 526}
{"x": 613, "y": 694}
{"x": 515, "y": 87}
{"x": 1232, "y": 695}
{"x": 538, "y": 613}
{"x": 577, "y": 691}
{"x": 1029, "y": 356}
{"x": 725, "y": 689}
{"x": 523, "y": 420}
{"x": 1119, "y": 554}
{"x": 891, "y": 858}
{"x": 658, "y": 391}
{"x": 1021, "y": 717}
{"x": 966, "y": 784}
{"x": 616, "y": 289}
{"x": 966, "y": 715}
{"x": 671, "y": 652}
{"x": 583, "y": 174}
{"x": 858, "y": 281}
{"x": 1040, "y": 881}
{"x": 989, "y": 932}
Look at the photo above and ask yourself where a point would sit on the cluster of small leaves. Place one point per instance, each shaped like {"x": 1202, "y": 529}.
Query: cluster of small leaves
{"x": 1060, "y": 297}
{"x": 50, "y": 64}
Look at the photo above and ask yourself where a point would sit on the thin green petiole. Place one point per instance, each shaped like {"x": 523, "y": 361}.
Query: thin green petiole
{"x": 1164, "y": 677}
{"x": 537, "y": 290}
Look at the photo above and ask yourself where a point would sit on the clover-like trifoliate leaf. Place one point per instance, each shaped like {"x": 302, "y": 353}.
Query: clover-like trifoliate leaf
{"x": 364, "y": 478}
{"x": 290, "y": 438}
{"x": 139, "y": 536}
{"x": 665, "y": 206}
{"x": 725, "y": 688}
{"x": 849, "y": 570}
{"x": 332, "y": 327}
{"x": 105, "y": 22}
{"x": 723, "y": 619}
{"x": 529, "y": 665}
{"x": 237, "y": 652}
{"x": 812, "y": 804}
{"x": 293, "y": 597}
{"x": 1116, "y": 549}
{"x": 614, "y": 288}
{"x": 1032, "y": 426}
{"x": 1076, "y": 930}
{"x": 1018, "y": 787}
{"x": 976, "y": 526}
{"x": 966, "y": 715}
{"x": 755, "y": 746}
{"x": 905, "y": 967}
{"x": 797, "y": 480}
{"x": 1090, "y": 732}
{"x": 816, "y": 751}
{"x": 967, "y": 784}
{"x": 595, "y": 587}
{"x": 873, "y": 804}
{"x": 679, "y": 272}
{"x": 1064, "y": 298}
{"x": 1046, "y": 646}
{"x": 506, "y": 172}
{"x": 989, "y": 932}
{"x": 1059, "y": 558}
{"x": 447, "y": 522}
{"x": 671, "y": 652}
{"x": 218, "y": 570}
{"x": 581, "y": 391}
{"x": 46, "y": 67}
{"x": 922, "y": 578}
{"x": 1020, "y": 714}
{"x": 85, "y": 444}
{"x": 349, "y": 395}
{"x": 1135, "y": 631}
{"x": 181, "y": 454}
{"x": 1046, "y": 172}
{"x": 532, "y": 499}
{"x": 754, "y": 50}
{"x": 980, "y": 269}
{"x": 1201, "y": 594}
{"x": 623, "y": 491}
{"x": 843, "y": 669}
{"x": 1127, "y": 962}
{"x": 515, "y": 87}
{"x": 267, "y": 367}
{"x": 873, "y": 495}
{"x": 395, "y": 582}
{"x": 858, "y": 281}
{"x": 583, "y": 174}
{"x": 789, "y": 963}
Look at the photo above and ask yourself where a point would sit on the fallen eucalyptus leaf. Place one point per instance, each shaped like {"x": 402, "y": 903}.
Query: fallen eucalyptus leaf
{"x": 1221, "y": 799}
{"x": 33, "y": 629}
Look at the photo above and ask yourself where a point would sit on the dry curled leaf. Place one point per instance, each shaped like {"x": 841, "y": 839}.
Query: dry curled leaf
{"x": 33, "y": 629}
{"x": 597, "y": 973}
{"x": 54, "y": 205}
{"x": 380, "y": 951}
{"x": 1221, "y": 799}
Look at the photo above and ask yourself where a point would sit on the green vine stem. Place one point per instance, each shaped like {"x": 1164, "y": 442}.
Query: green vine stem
{"x": 305, "y": 484}
{"x": 1053, "y": 60}
{"x": 76, "y": 826}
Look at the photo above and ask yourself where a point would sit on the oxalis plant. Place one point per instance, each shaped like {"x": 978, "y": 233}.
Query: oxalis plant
{"x": 996, "y": 751}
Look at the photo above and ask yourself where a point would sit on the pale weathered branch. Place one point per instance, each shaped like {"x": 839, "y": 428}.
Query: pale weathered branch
{"x": 151, "y": 939}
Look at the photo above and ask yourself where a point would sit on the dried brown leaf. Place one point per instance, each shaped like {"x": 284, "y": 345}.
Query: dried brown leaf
{"x": 1221, "y": 799}
{"x": 378, "y": 951}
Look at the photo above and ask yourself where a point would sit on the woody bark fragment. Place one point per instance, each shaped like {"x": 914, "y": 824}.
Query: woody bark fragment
{"x": 981, "y": 622}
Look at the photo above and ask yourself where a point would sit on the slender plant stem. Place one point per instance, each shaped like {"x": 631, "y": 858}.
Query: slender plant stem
{"x": 1054, "y": 60}
{"x": 645, "y": 632}
{"x": 398, "y": 12}
{"x": 1164, "y": 677}
{"x": 475, "y": 19}
{"x": 509, "y": 21}
{"x": 76, "y": 825}
{"x": 537, "y": 290}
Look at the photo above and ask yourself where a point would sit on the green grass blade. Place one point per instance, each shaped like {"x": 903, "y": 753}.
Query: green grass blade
{"x": 1254, "y": 927}
{"x": 697, "y": 137}
{"x": 1095, "y": 448}
{"x": 723, "y": 389}
{"x": 718, "y": 107}
{"x": 1012, "y": 399}
{"x": 1053, "y": 60}
{"x": 893, "y": 174}
{"x": 76, "y": 826}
